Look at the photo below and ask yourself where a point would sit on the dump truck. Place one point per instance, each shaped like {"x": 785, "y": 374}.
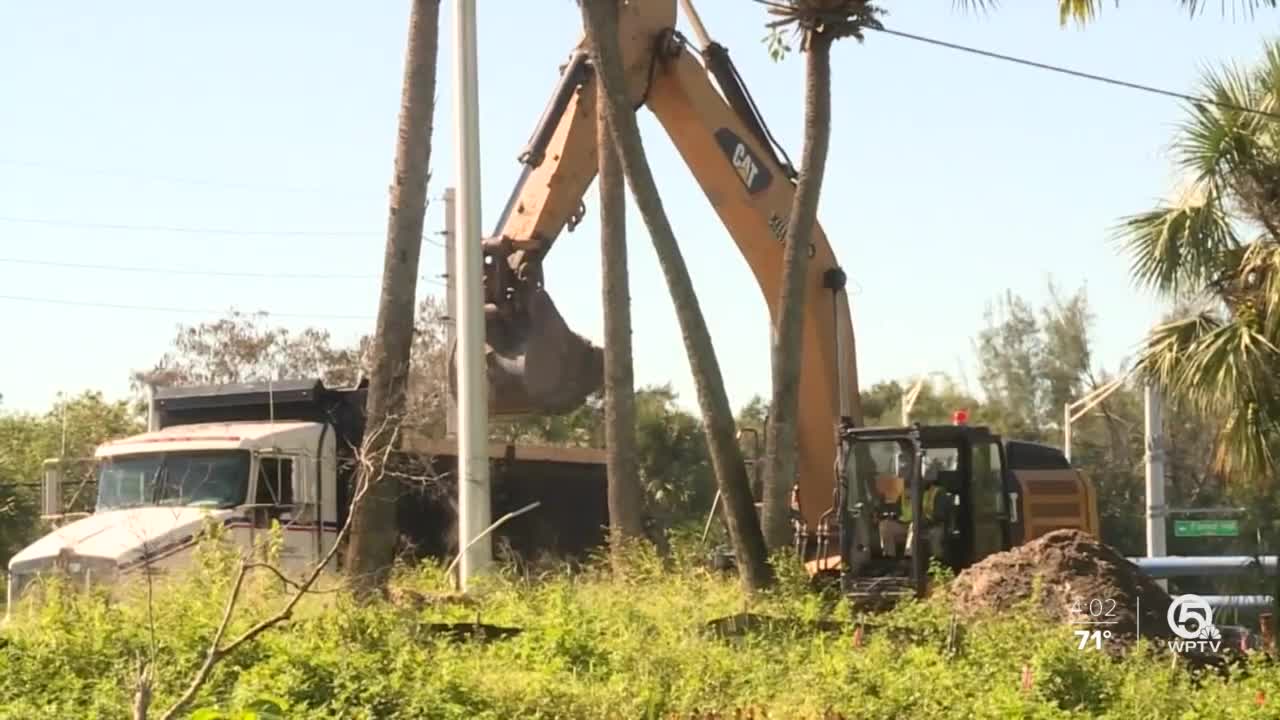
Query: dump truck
{"x": 252, "y": 456}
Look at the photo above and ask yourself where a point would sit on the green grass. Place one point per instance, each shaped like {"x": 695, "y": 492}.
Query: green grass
{"x": 595, "y": 645}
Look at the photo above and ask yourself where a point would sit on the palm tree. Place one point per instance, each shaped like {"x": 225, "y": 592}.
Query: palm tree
{"x": 373, "y": 525}
{"x": 601, "y": 20}
{"x": 819, "y": 23}
{"x": 1217, "y": 249}
{"x": 625, "y": 496}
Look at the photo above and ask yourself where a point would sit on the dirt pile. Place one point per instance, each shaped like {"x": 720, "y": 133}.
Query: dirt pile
{"x": 1081, "y": 580}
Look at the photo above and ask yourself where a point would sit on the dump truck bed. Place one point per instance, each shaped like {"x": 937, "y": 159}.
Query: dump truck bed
{"x": 569, "y": 483}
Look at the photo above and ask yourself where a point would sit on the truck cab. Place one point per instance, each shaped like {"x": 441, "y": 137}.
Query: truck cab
{"x": 155, "y": 491}
{"x": 249, "y": 457}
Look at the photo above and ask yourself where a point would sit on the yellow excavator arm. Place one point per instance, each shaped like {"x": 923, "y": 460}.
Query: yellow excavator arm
{"x": 536, "y": 364}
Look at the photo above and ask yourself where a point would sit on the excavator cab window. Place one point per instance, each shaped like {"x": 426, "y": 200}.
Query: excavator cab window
{"x": 962, "y": 498}
{"x": 878, "y": 475}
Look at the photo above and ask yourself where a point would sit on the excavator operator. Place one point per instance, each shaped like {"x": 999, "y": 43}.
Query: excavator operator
{"x": 897, "y": 524}
{"x": 935, "y": 502}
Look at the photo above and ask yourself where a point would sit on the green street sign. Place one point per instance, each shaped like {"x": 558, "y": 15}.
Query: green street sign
{"x": 1206, "y": 528}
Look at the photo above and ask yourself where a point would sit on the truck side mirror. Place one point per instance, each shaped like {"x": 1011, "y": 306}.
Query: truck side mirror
{"x": 51, "y": 489}
{"x": 304, "y": 482}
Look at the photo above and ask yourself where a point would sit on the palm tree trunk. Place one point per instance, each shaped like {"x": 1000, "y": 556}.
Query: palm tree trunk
{"x": 780, "y": 438}
{"x": 374, "y": 531}
{"x": 625, "y": 497}
{"x": 601, "y": 20}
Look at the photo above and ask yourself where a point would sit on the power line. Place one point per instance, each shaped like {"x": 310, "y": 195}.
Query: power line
{"x": 172, "y": 179}
{"x": 175, "y": 179}
{"x": 180, "y": 271}
{"x": 248, "y": 232}
{"x": 1080, "y": 74}
{"x": 154, "y": 308}
{"x": 210, "y": 273}
{"x": 191, "y": 230}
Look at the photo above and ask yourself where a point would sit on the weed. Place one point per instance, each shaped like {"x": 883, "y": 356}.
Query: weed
{"x": 595, "y": 644}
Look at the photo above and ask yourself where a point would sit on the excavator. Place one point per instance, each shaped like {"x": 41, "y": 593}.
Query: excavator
{"x": 537, "y": 365}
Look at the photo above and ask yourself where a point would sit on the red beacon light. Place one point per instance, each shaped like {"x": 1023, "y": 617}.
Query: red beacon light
{"x": 960, "y": 417}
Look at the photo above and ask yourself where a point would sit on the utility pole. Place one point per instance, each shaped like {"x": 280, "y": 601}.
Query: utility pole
{"x": 1153, "y": 417}
{"x": 473, "y": 403}
{"x": 451, "y": 300}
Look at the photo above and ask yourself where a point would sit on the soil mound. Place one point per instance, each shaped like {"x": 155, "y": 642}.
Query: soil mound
{"x": 1081, "y": 580}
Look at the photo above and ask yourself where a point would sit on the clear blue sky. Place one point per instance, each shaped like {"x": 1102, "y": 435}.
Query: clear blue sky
{"x": 951, "y": 177}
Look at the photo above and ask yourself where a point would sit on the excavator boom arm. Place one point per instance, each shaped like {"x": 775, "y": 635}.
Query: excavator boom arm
{"x": 726, "y": 147}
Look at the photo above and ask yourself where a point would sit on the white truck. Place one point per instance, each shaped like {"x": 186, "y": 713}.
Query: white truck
{"x": 246, "y": 455}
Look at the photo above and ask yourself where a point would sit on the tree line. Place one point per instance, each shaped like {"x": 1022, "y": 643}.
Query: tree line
{"x": 1029, "y": 362}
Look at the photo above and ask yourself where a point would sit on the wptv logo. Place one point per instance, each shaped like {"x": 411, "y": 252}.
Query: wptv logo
{"x": 1191, "y": 620}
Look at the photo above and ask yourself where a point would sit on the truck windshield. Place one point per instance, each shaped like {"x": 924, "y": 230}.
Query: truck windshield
{"x": 202, "y": 478}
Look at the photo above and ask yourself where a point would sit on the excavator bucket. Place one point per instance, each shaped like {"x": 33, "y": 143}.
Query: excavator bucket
{"x": 535, "y": 363}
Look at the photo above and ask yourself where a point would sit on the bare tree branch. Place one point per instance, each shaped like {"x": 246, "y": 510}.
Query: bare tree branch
{"x": 215, "y": 652}
{"x": 494, "y": 526}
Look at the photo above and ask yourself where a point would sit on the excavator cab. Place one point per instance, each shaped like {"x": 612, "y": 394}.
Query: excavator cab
{"x": 952, "y": 476}
{"x": 535, "y": 364}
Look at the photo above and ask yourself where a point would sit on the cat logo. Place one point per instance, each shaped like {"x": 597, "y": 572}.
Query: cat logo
{"x": 746, "y": 167}
{"x": 754, "y": 175}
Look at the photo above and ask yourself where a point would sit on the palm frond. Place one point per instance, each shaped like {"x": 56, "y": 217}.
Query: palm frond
{"x": 833, "y": 19}
{"x": 1085, "y": 11}
{"x": 1224, "y": 369}
{"x": 972, "y": 5}
{"x": 1267, "y": 77}
{"x": 1230, "y": 361}
{"x": 1246, "y": 442}
{"x": 1246, "y": 8}
{"x": 1172, "y": 247}
{"x": 1160, "y": 359}
{"x": 1082, "y": 11}
{"x": 1221, "y": 136}
{"x": 1257, "y": 286}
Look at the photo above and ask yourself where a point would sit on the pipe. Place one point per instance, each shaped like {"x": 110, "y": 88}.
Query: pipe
{"x": 1201, "y": 566}
{"x": 570, "y": 79}
{"x": 1238, "y": 602}
{"x": 473, "y": 409}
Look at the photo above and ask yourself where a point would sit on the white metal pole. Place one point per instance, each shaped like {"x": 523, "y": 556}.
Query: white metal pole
{"x": 1154, "y": 422}
{"x": 153, "y": 418}
{"x": 473, "y": 407}
{"x": 1066, "y": 431}
{"x": 909, "y": 400}
{"x": 451, "y": 300}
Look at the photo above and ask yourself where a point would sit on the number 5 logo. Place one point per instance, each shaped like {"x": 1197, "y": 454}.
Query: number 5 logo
{"x": 1193, "y": 610}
